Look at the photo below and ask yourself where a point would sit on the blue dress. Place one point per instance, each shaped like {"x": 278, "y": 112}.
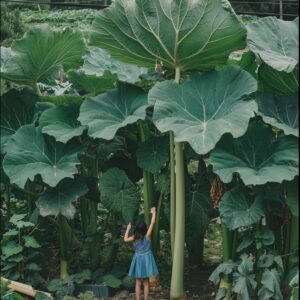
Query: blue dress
{"x": 143, "y": 264}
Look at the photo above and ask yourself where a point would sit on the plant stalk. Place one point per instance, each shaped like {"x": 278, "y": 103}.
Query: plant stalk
{"x": 63, "y": 247}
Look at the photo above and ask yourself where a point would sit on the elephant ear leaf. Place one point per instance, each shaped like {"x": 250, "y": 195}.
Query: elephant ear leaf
{"x": 281, "y": 111}
{"x": 153, "y": 154}
{"x": 275, "y": 44}
{"x": 17, "y": 109}
{"x": 31, "y": 153}
{"x": 270, "y": 285}
{"x": 59, "y": 200}
{"x": 185, "y": 34}
{"x": 257, "y": 156}
{"x": 204, "y": 106}
{"x": 61, "y": 122}
{"x": 106, "y": 113}
{"x": 41, "y": 54}
{"x": 118, "y": 193}
{"x": 237, "y": 209}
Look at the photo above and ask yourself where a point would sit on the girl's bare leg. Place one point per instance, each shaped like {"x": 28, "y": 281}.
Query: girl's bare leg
{"x": 138, "y": 283}
{"x": 146, "y": 288}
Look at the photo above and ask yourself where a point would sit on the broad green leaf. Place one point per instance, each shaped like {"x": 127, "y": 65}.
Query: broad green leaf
{"x": 5, "y": 55}
{"x": 189, "y": 34}
{"x": 111, "y": 281}
{"x": 31, "y": 242}
{"x": 237, "y": 209}
{"x": 15, "y": 218}
{"x": 17, "y": 109}
{"x": 16, "y": 258}
{"x": 106, "y": 113}
{"x": 41, "y": 54}
{"x": 266, "y": 236}
{"x": 281, "y": 111}
{"x": 60, "y": 199}
{"x": 31, "y": 153}
{"x": 11, "y": 232}
{"x": 22, "y": 224}
{"x": 61, "y": 122}
{"x": 225, "y": 268}
{"x": 153, "y": 154}
{"x": 243, "y": 280}
{"x": 11, "y": 248}
{"x": 271, "y": 282}
{"x": 91, "y": 84}
{"x": 205, "y": 106}
{"x": 275, "y": 42}
{"x": 245, "y": 243}
{"x": 118, "y": 193}
{"x": 98, "y": 62}
{"x": 257, "y": 156}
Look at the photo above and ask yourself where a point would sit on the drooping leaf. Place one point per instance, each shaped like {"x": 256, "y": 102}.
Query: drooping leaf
{"x": 31, "y": 242}
{"x": 266, "y": 236}
{"x": 15, "y": 218}
{"x": 11, "y": 232}
{"x": 204, "y": 107}
{"x": 118, "y": 193}
{"x": 245, "y": 243}
{"x": 98, "y": 62}
{"x": 17, "y": 109}
{"x": 32, "y": 153}
{"x": 61, "y": 122}
{"x": 111, "y": 281}
{"x": 153, "y": 154}
{"x": 225, "y": 268}
{"x": 60, "y": 199}
{"x": 275, "y": 42}
{"x": 106, "y": 113}
{"x": 11, "y": 248}
{"x": 190, "y": 34}
{"x": 281, "y": 111}
{"x": 257, "y": 156}
{"x": 41, "y": 54}
{"x": 237, "y": 209}
{"x": 271, "y": 282}
{"x": 244, "y": 282}
{"x": 91, "y": 84}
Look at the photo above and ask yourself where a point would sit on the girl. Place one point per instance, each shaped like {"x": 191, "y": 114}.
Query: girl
{"x": 143, "y": 264}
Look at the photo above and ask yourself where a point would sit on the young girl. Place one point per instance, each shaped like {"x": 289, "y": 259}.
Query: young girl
{"x": 143, "y": 264}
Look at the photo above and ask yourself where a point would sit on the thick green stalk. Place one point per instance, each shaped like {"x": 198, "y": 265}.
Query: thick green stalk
{"x": 177, "y": 289}
{"x": 234, "y": 244}
{"x": 294, "y": 241}
{"x": 63, "y": 247}
{"x": 172, "y": 192}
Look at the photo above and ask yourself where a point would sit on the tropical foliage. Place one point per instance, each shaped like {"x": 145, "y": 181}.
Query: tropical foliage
{"x": 107, "y": 126}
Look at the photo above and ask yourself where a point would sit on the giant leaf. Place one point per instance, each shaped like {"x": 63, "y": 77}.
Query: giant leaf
{"x": 275, "y": 42}
{"x": 106, "y": 113}
{"x": 59, "y": 200}
{"x": 17, "y": 109}
{"x": 257, "y": 156}
{"x": 225, "y": 268}
{"x": 31, "y": 153}
{"x": 97, "y": 61}
{"x": 61, "y": 122}
{"x": 205, "y": 106}
{"x": 281, "y": 111}
{"x": 118, "y": 193}
{"x": 153, "y": 154}
{"x": 41, "y": 54}
{"x": 237, "y": 209}
{"x": 188, "y": 34}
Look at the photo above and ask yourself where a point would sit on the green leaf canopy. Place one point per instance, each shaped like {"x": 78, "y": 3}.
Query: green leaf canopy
{"x": 61, "y": 122}
{"x": 118, "y": 193}
{"x": 106, "y": 113}
{"x": 281, "y": 111}
{"x": 189, "y": 34}
{"x": 59, "y": 200}
{"x": 238, "y": 210}
{"x": 31, "y": 153}
{"x": 41, "y": 54}
{"x": 153, "y": 154}
{"x": 204, "y": 106}
{"x": 97, "y": 61}
{"x": 275, "y": 42}
{"x": 257, "y": 156}
{"x": 17, "y": 109}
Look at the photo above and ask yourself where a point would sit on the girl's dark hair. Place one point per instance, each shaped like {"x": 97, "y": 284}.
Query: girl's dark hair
{"x": 140, "y": 230}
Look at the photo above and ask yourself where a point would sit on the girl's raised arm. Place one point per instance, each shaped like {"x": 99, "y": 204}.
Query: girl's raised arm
{"x": 126, "y": 237}
{"x": 149, "y": 231}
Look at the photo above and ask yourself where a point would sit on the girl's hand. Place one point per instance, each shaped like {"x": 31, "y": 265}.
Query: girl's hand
{"x": 153, "y": 210}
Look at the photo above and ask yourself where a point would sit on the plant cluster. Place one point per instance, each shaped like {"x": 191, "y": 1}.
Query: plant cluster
{"x": 178, "y": 105}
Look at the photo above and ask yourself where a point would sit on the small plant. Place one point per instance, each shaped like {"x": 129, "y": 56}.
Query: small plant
{"x": 82, "y": 296}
